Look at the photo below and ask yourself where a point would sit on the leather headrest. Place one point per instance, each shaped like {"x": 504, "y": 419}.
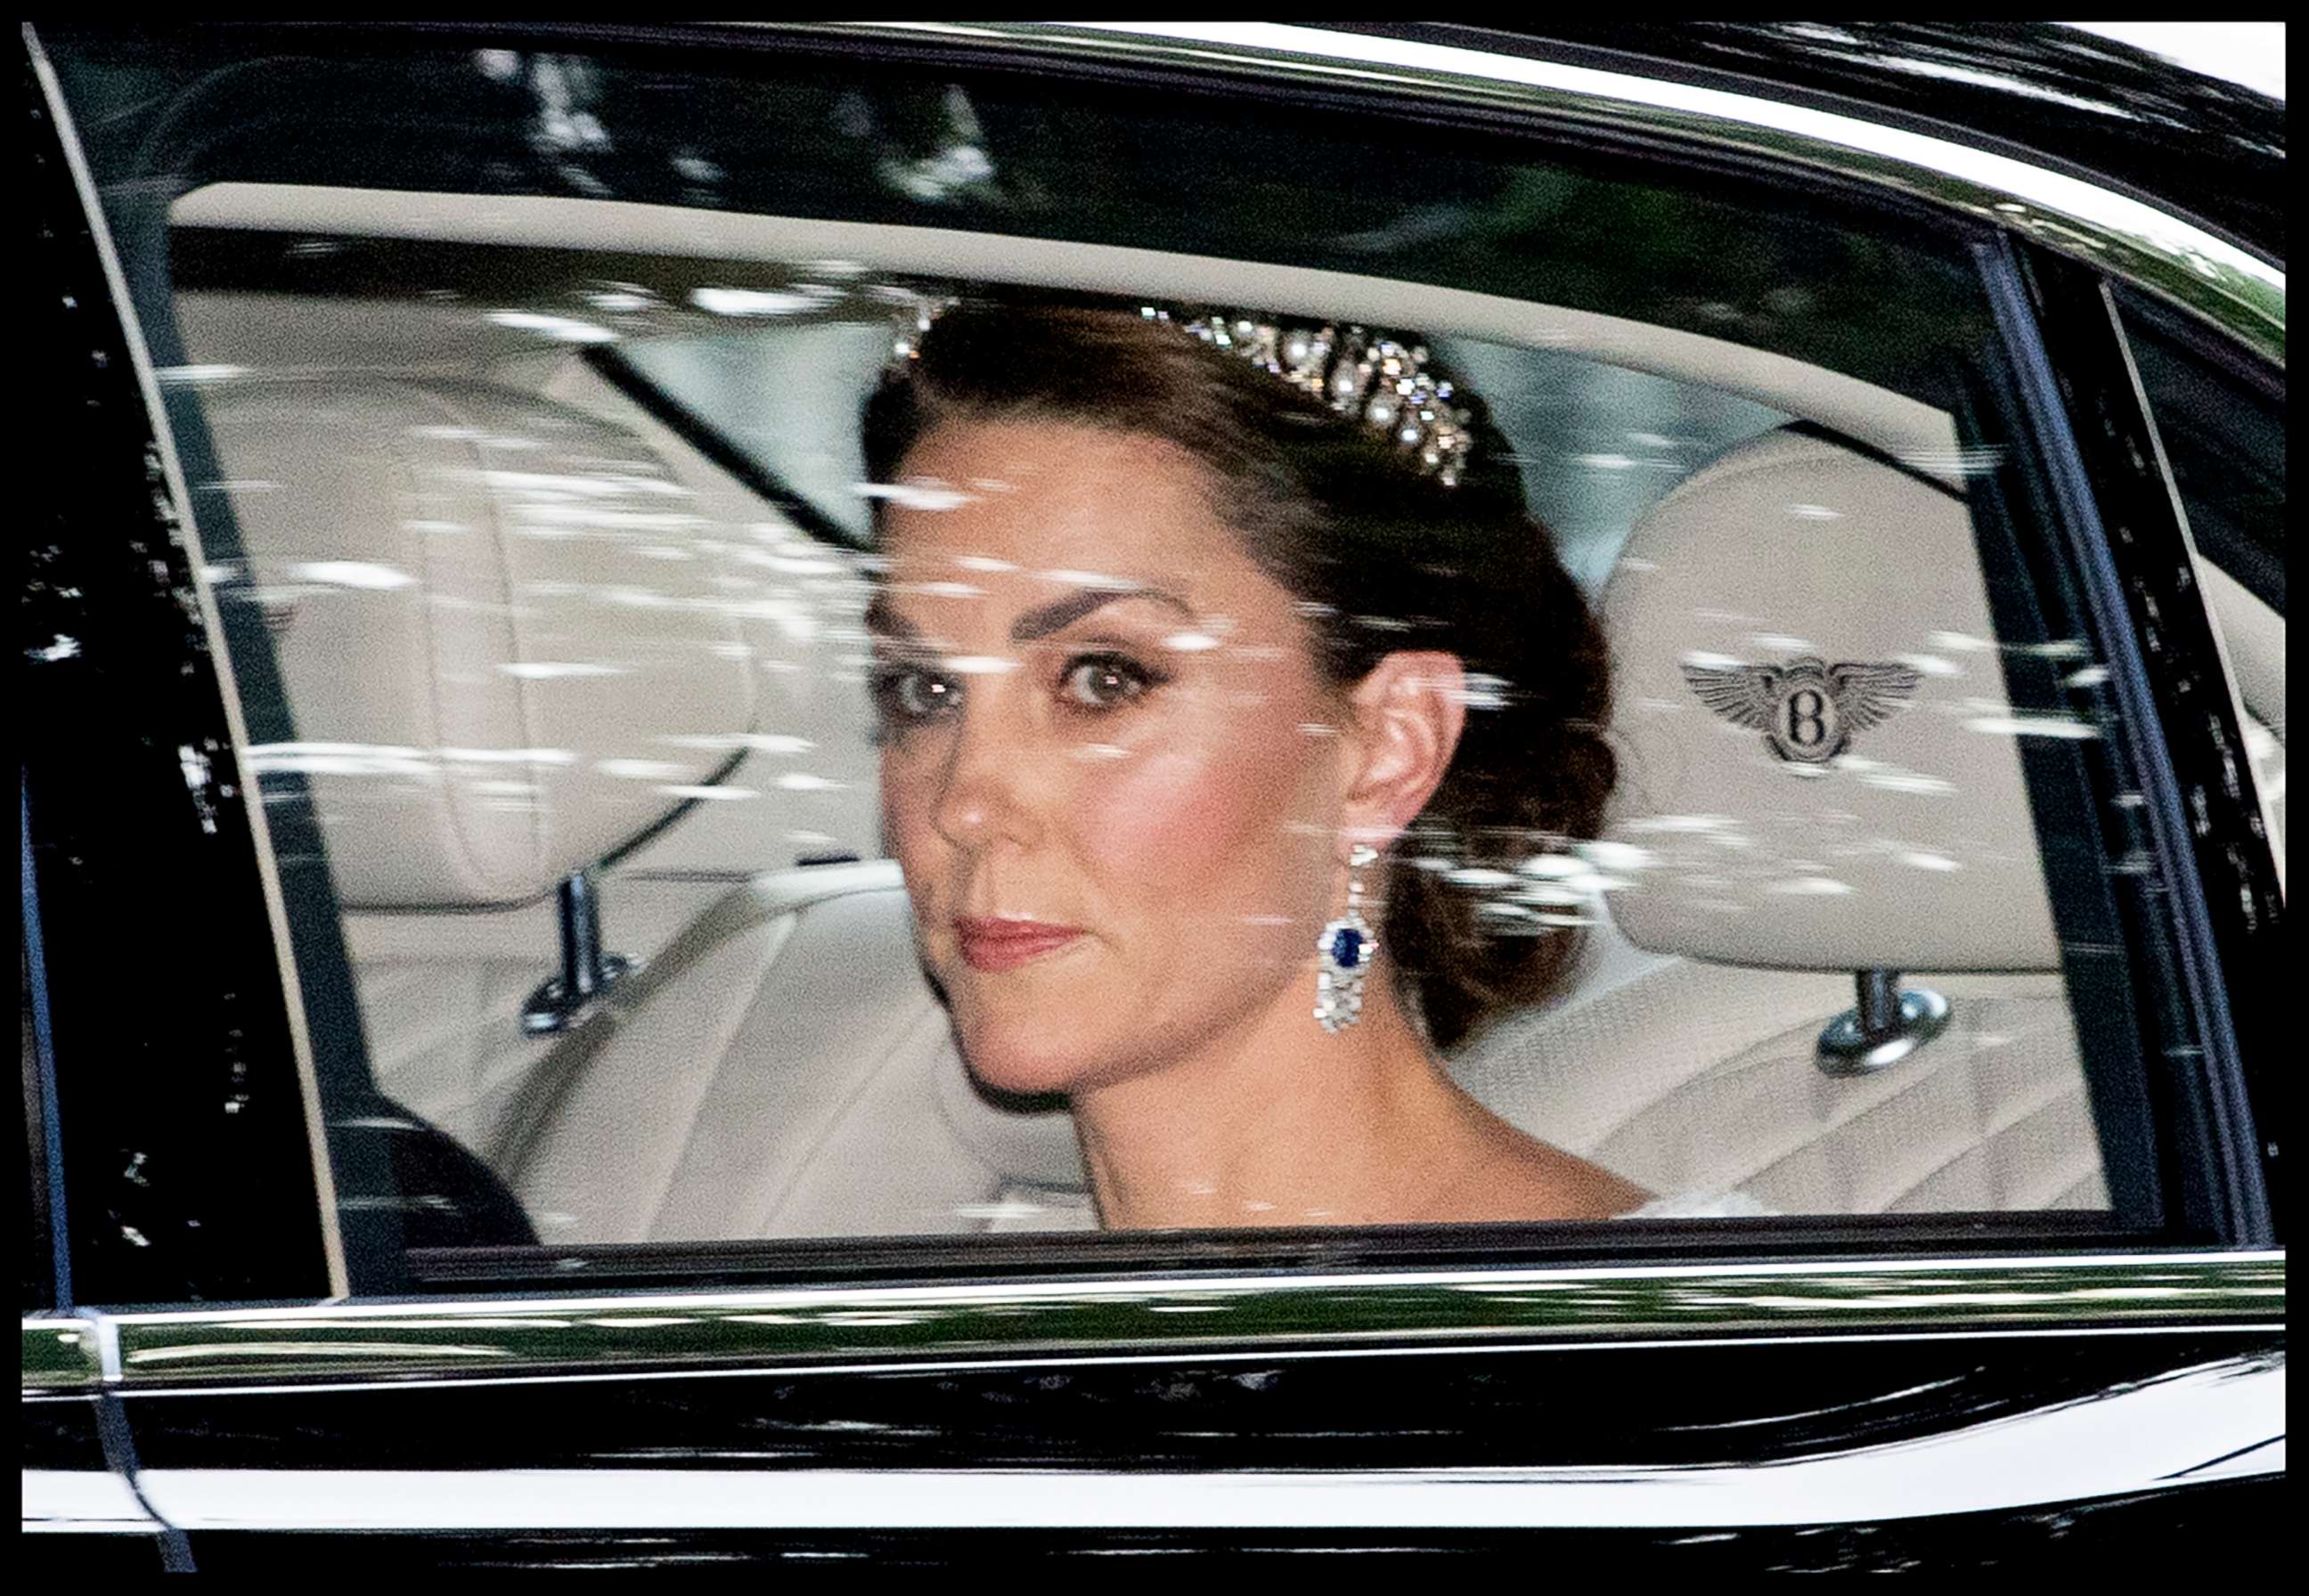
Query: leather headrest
{"x": 1819, "y": 767}
{"x": 501, "y": 645}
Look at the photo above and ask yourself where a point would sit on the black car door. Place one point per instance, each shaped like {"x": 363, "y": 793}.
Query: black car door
{"x": 293, "y": 1316}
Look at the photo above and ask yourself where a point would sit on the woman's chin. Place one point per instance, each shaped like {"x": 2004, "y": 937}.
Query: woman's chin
{"x": 1028, "y": 1062}
{"x": 1032, "y": 1047}
{"x": 1029, "y": 1031}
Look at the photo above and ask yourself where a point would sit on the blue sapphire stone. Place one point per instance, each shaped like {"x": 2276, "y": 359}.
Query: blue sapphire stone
{"x": 1347, "y": 948}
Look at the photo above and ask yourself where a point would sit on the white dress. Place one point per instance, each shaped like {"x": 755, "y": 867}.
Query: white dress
{"x": 1028, "y": 1208}
{"x": 1699, "y": 1206}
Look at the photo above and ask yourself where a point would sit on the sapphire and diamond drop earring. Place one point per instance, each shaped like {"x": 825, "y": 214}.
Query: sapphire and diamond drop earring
{"x": 1346, "y": 947}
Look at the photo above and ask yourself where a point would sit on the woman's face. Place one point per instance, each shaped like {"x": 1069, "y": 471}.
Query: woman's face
{"x": 1110, "y": 769}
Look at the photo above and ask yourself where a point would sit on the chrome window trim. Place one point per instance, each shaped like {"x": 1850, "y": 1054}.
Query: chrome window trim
{"x": 1197, "y": 1317}
{"x": 1264, "y": 1356}
{"x": 2128, "y": 238}
{"x": 64, "y": 1354}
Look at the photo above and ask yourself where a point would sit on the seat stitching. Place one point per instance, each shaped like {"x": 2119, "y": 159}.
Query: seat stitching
{"x": 1750, "y": 1058}
{"x": 2098, "y": 1174}
{"x": 1985, "y": 1140}
{"x": 1883, "y": 1102}
{"x": 1809, "y": 1136}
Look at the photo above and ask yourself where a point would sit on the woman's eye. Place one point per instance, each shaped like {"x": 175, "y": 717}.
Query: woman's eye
{"x": 1103, "y": 682}
{"x": 906, "y": 696}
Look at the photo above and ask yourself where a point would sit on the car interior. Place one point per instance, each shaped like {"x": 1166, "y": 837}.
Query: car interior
{"x": 569, "y": 680}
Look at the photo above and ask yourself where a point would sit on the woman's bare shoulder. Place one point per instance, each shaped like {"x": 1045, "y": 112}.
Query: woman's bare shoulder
{"x": 1514, "y": 1176}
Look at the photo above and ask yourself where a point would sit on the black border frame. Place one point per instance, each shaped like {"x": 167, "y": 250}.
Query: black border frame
{"x": 2232, "y": 1217}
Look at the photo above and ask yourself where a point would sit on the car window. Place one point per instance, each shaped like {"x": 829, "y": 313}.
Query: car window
{"x": 738, "y": 835}
{"x": 2223, "y": 431}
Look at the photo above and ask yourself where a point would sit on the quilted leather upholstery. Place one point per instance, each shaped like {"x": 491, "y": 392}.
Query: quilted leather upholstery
{"x": 1697, "y": 1078}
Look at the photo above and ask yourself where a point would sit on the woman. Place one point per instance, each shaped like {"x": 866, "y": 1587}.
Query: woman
{"x": 1179, "y": 669}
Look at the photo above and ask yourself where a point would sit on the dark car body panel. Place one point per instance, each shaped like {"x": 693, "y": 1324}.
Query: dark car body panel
{"x": 2197, "y": 146}
{"x": 2116, "y": 1537}
{"x": 60, "y": 1432}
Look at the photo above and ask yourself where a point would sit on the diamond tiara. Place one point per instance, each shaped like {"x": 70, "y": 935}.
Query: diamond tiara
{"x": 1358, "y": 372}
{"x": 1381, "y": 380}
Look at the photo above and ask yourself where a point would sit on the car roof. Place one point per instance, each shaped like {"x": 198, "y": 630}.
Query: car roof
{"x": 2207, "y": 149}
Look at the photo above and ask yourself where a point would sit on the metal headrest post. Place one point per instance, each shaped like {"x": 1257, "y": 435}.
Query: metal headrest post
{"x": 1885, "y": 1027}
{"x": 586, "y": 971}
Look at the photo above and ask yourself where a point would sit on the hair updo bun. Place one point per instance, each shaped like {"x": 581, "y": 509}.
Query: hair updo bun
{"x": 1381, "y": 558}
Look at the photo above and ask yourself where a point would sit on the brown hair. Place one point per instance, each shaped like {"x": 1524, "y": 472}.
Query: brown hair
{"x": 1381, "y": 559}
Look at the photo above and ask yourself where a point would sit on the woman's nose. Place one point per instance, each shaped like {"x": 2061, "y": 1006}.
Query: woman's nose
{"x": 986, "y": 796}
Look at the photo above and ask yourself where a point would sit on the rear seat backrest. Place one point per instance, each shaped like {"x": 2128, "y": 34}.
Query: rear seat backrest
{"x": 783, "y": 1070}
{"x": 497, "y": 673}
{"x": 506, "y": 660}
{"x": 509, "y": 648}
{"x": 1912, "y": 850}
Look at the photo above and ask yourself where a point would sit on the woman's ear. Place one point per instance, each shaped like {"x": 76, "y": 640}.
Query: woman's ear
{"x": 1408, "y": 714}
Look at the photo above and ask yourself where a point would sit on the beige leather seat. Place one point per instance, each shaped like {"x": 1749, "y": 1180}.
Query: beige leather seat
{"x": 784, "y": 1070}
{"x": 1769, "y": 880}
{"x": 513, "y": 641}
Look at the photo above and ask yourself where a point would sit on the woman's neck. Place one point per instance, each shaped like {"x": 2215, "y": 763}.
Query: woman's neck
{"x": 1278, "y": 1123}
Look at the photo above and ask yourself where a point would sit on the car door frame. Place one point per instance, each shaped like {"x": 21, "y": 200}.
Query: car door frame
{"x": 195, "y": 1384}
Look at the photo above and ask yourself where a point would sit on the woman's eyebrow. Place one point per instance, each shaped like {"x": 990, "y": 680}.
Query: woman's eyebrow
{"x": 883, "y": 616}
{"x": 1064, "y": 612}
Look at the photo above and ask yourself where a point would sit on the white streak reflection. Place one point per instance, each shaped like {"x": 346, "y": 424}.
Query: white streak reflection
{"x": 762, "y": 302}
{"x": 2056, "y": 726}
{"x": 549, "y": 669}
{"x": 913, "y": 495}
{"x": 1930, "y": 664}
{"x": 352, "y": 573}
{"x": 560, "y": 328}
{"x": 342, "y": 759}
{"x": 191, "y": 376}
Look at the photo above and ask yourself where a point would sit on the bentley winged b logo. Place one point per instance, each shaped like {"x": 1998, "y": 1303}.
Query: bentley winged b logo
{"x": 1806, "y": 709}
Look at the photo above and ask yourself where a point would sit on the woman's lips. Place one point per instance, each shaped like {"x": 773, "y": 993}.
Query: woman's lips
{"x": 992, "y": 945}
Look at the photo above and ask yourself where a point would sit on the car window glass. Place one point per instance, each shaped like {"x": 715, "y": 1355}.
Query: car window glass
{"x": 727, "y": 849}
{"x": 2224, "y": 437}
{"x": 2223, "y": 432}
